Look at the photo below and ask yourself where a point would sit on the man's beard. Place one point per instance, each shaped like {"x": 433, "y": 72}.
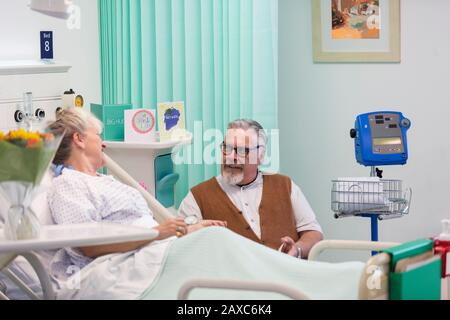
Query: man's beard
{"x": 232, "y": 178}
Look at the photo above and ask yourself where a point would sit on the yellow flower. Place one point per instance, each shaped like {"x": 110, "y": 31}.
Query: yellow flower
{"x": 28, "y": 138}
{"x": 17, "y": 134}
{"x": 33, "y": 136}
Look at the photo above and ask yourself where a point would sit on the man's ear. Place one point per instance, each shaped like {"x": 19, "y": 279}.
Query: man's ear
{"x": 261, "y": 155}
{"x": 78, "y": 140}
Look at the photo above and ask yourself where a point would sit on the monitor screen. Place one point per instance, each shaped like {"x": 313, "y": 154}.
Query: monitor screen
{"x": 387, "y": 141}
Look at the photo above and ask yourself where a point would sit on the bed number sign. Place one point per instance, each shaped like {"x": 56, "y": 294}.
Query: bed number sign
{"x": 47, "y": 45}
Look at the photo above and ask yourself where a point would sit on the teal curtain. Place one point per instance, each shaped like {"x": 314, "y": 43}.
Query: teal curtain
{"x": 218, "y": 56}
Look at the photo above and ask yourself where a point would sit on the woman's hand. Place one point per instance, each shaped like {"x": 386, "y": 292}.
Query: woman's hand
{"x": 206, "y": 223}
{"x": 172, "y": 227}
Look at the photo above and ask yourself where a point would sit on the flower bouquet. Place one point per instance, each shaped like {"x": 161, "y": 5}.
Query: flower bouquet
{"x": 25, "y": 157}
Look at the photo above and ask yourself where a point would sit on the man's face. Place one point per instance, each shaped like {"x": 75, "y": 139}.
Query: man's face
{"x": 240, "y": 159}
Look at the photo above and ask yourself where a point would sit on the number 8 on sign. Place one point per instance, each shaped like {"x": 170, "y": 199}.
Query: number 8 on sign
{"x": 46, "y": 45}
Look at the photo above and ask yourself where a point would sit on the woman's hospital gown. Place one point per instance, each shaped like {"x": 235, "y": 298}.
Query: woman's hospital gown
{"x": 76, "y": 197}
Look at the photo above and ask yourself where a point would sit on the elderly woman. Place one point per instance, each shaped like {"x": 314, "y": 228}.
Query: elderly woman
{"x": 81, "y": 195}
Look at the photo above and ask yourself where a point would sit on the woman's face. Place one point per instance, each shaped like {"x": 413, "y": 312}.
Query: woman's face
{"x": 94, "y": 147}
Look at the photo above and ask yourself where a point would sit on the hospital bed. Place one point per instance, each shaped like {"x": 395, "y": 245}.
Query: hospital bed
{"x": 18, "y": 266}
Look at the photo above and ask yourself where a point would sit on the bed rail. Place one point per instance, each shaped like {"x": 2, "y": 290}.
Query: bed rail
{"x": 6, "y": 259}
{"x": 44, "y": 279}
{"x": 348, "y": 245}
{"x": 192, "y": 284}
{"x": 373, "y": 284}
{"x": 3, "y": 296}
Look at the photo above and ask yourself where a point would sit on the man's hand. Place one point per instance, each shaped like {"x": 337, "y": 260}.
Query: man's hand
{"x": 307, "y": 240}
{"x": 289, "y": 247}
{"x": 206, "y": 223}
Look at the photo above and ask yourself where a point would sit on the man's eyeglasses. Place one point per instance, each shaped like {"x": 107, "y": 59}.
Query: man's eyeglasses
{"x": 240, "y": 151}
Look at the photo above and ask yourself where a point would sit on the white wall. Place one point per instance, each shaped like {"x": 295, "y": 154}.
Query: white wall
{"x": 19, "y": 36}
{"x": 318, "y": 104}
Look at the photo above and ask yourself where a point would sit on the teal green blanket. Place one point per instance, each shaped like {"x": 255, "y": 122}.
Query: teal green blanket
{"x": 218, "y": 253}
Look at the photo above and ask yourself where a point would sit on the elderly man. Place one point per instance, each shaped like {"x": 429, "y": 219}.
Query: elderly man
{"x": 269, "y": 209}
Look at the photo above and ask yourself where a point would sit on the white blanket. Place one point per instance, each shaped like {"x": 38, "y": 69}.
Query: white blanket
{"x": 158, "y": 271}
{"x": 116, "y": 276}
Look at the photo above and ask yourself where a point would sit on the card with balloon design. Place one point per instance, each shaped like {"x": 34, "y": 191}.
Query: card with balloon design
{"x": 140, "y": 126}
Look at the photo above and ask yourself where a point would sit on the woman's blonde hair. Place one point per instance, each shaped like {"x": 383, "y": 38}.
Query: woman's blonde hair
{"x": 68, "y": 122}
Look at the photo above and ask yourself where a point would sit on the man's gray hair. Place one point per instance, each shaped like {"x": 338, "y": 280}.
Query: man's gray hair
{"x": 246, "y": 124}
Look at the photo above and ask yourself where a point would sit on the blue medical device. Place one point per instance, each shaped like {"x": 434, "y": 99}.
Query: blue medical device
{"x": 380, "y": 138}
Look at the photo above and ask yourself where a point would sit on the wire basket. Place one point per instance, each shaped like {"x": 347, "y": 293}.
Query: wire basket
{"x": 369, "y": 196}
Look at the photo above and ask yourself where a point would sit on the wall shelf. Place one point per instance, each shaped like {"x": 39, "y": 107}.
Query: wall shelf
{"x": 15, "y": 67}
{"x": 150, "y": 145}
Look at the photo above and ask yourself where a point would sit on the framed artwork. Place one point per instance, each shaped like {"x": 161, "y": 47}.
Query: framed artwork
{"x": 356, "y": 30}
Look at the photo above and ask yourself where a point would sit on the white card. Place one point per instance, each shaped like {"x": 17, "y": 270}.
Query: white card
{"x": 140, "y": 126}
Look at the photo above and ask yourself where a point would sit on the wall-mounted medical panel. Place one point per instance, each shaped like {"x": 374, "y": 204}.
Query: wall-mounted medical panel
{"x": 46, "y": 82}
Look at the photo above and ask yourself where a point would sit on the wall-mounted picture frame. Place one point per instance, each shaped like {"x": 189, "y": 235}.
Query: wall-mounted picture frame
{"x": 356, "y": 30}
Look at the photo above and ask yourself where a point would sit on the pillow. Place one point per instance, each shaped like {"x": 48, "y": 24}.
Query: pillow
{"x": 40, "y": 204}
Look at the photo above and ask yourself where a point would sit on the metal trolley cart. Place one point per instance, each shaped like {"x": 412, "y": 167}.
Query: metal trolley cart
{"x": 380, "y": 139}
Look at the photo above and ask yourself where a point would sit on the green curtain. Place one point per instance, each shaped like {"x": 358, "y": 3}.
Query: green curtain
{"x": 218, "y": 56}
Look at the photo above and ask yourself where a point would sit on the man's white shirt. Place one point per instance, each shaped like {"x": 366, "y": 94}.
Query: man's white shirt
{"x": 248, "y": 198}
